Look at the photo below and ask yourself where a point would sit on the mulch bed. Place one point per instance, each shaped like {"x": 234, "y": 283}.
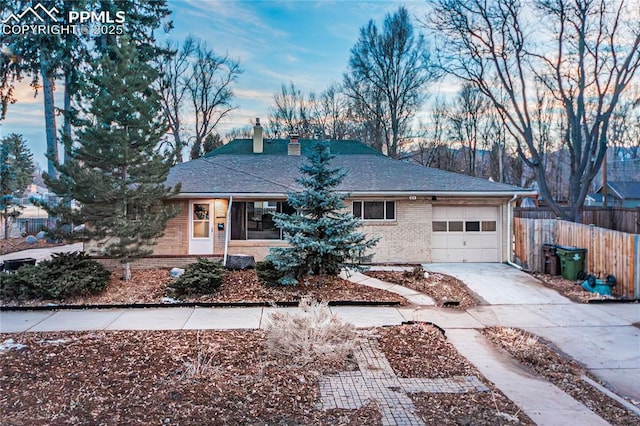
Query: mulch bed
{"x": 183, "y": 377}
{"x": 543, "y": 358}
{"x": 445, "y": 290}
{"x": 149, "y": 286}
{"x": 421, "y": 350}
{"x": 570, "y": 289}
{"x": 160, "y": 377}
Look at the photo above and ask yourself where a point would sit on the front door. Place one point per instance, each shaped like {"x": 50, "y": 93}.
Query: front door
{"x": 201, "y": 217}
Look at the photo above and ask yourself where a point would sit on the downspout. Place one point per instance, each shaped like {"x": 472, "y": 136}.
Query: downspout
{"x": 226, "y": 231}
{"x": 510, "y": 233}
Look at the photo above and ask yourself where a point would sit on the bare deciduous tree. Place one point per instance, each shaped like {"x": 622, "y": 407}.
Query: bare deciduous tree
{"x": 292, "y": 111}
{"x": 196, "y": 84}
{"x": 388, "y": 70}
{"x": 331, "y": 113}
{"x": 468, "y": 119}
{"x": 587, "y": 60}
{"x": 174, "y": 79}
{"x": 210, "y": 89}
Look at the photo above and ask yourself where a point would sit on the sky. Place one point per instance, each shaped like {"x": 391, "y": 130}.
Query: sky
{"x": 277, "y": 42}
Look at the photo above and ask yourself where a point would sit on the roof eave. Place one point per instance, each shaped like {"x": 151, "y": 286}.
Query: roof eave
{"x": 265, "y": 195}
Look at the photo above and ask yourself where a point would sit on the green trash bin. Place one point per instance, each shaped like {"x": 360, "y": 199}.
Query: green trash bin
{"x": 571, "y": 261}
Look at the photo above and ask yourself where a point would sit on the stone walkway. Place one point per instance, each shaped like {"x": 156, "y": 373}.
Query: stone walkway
{"x": 376, "y": 381}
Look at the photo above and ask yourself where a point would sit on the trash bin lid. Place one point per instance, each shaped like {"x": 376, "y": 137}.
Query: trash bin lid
{"x": 571, "y": 249}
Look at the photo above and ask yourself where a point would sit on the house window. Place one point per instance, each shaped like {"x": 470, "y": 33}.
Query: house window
{"x": 439, "y": 226}
{"x": 253, "y": 220}
{"x": 455, "y": 226}
{"x": 489, "y": 226}
{"x": 458, "y": 226}
{"x": 375, "y": 210}
{"x": 201, "y": 220}
{"x": 473, "y": 226}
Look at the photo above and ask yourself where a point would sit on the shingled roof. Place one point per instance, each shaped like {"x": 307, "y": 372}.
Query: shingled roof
{"x": 625, "y": 190}
{"x": 235, "y": 169}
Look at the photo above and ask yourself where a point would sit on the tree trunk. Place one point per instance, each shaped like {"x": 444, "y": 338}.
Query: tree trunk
{"x": 49, "y": 118}
{"x": 6, "y": 223}
{"x": 67, "y": 116}
{"x": 126, "y": 271}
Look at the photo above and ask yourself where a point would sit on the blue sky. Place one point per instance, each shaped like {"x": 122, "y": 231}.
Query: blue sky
{"x": 306, "y": 42}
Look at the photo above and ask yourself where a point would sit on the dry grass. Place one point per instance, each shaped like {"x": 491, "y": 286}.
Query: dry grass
{"x": 543, "y": 359}
{"x": 310, "y": 334}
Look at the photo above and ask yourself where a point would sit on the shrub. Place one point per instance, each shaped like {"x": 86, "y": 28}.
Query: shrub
{"x": 64, "y": 275}
{"x": 202, "y": 277}
{"x": 417, "y": 273}
{"x": 268, "y": 274}
{"x": 314, "y": 333}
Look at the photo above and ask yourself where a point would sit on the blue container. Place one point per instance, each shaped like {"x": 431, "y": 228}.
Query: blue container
{"x": 598, "y": 286}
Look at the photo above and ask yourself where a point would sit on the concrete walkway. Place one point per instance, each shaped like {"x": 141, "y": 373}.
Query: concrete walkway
{"x": 601, "y": 337}
{"x": 41, "y": 253}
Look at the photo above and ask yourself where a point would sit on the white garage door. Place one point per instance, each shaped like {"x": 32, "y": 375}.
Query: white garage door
{"x": 465, "y": 234}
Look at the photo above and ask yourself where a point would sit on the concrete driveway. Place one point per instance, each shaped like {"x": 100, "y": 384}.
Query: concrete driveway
{"x": 500, "y": 284}
{"x": 602, "y": 337}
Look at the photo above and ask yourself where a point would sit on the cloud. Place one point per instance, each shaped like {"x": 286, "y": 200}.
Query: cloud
{"x": 252, "y": 94}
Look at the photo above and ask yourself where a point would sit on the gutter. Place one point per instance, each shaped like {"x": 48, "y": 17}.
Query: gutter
{"x": 510, "y": 233}
{"x": 355, "y": 194}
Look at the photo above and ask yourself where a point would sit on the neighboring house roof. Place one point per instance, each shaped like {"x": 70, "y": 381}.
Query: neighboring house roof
{"x": 235, "y": 169}
{"x": 624, "y": 190}
{"x": 596, "y": 198}
{"x": 279, "y": 147}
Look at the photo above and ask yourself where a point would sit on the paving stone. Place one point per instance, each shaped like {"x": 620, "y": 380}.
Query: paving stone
{"x": 376, "y": 381}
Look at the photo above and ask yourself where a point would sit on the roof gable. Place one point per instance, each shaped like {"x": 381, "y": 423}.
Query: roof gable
{"x": 624, "y": 190}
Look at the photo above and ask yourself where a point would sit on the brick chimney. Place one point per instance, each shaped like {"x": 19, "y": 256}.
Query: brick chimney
{"x": 293, "y": 148}
{"x": 258, "y": 140}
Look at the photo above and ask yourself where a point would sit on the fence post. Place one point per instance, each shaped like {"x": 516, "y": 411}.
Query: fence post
{"x": 636, "y": 274}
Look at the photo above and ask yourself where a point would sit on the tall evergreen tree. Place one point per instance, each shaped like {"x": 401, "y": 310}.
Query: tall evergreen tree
{"x": 16, "y": 171}
{"x": 114, "y": 171}
{"x": 322, "y": 237}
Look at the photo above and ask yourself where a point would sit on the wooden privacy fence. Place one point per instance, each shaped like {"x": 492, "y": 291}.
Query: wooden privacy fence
{"x": 608, "y": 252}
{"x": 624, "y": 219}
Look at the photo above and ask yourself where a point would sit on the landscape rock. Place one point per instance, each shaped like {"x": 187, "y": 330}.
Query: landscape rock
{"x": 31, "y": 239}
{"x": 176, "y": 272}
{"x": 41, "y": 235}
{"x": 240, "y": 262}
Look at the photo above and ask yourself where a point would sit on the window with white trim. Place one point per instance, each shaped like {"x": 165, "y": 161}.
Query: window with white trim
{"x": 375, "y": 210}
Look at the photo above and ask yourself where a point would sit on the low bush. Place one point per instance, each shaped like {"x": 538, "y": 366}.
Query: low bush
{"x": 201, "y": 277}
{"x": 64, "y": 275}
{"x": 312, "y": 334}
{"x": 268, "y": 274}
{"x": 417, "y": 273}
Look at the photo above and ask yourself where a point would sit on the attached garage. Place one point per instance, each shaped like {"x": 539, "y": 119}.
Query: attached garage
{"x": 466, "y": 234}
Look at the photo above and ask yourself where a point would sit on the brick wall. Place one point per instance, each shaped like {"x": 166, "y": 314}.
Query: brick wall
{"x": 408, "y": 238}
{"x": 154, "y": 262}
{"x": 257, "y": 249}
{"x": 176, "y": 235}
